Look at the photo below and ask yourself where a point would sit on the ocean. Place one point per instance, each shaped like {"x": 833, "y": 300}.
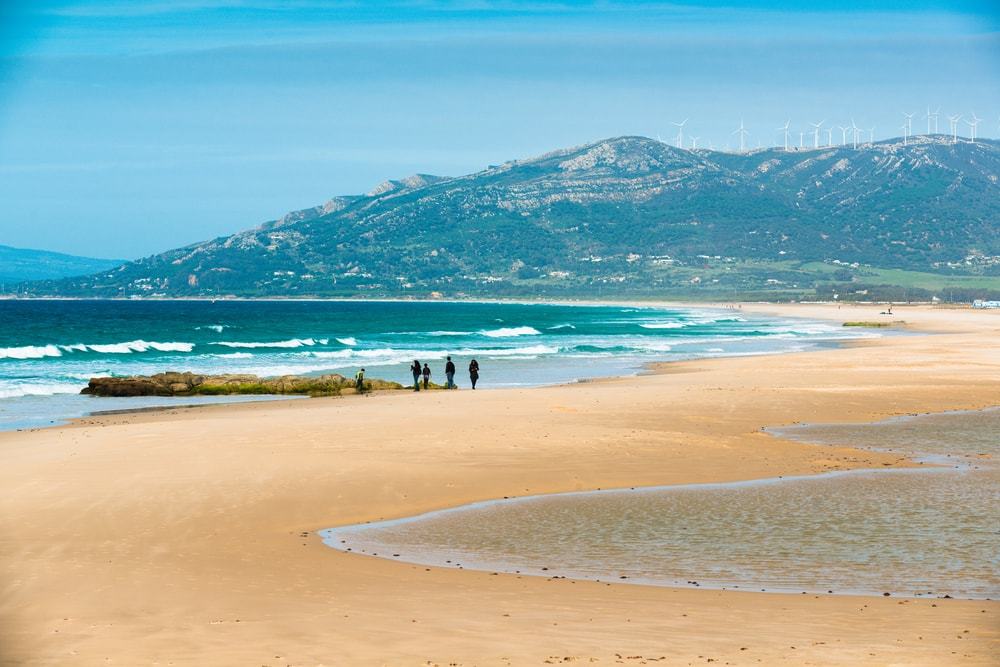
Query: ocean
{"x": 49, "y": 349}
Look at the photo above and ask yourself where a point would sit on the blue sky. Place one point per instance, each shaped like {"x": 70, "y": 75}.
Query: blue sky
{"x": 127, "y": 128}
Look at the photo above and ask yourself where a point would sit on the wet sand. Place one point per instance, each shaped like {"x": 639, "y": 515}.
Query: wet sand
{"x": 188, "y": 536}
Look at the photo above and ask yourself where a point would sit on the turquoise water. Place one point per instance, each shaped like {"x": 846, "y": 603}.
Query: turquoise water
{"x": 50, "y": 349}
{"x": 916, "y": 533}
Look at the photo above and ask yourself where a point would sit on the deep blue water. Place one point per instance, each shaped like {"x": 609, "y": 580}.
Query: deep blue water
{"x": 49, "y": 349}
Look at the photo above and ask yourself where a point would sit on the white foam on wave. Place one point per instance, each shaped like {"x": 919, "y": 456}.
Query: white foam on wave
{"x": 234, "y": 355}
{"x": 511, "y": 332}
{"x": 449, "y": 333}
{"x": 656, "y": 347}
{"x": 18, "y": 389}
{"x": 803, "y": 329}
{"x": 692, "y": 321}
{"x": 127, "y": 347}
{"x": 133, "y": 346}
{"x": 386, "y": 356}
{"x": 217, "y": 328}
{"x": 667, "y": 325}
{"x": 535, "y": 350}
{"x": 350, "y": 341}
{"x": 30, "y": 352}
{"x": 278, "y": 344}
{"x": 561, "y": 326}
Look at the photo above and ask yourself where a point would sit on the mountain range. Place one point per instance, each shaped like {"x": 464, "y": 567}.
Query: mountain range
{"x": 627, "y": 215}
{"x": 20, "y": 264}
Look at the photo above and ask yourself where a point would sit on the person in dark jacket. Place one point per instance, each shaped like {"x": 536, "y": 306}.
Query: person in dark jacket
{"x": 474, "y": 372}
{"x": 416, "y": 369}
{"x": 359, "y": 381}
{"x": 449, "y": 373}
{"x": 427, "y": 376}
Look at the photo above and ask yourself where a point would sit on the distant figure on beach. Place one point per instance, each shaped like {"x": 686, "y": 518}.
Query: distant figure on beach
{"x": 427, "y": 376}
{"x": 416, "y": 369}
{"x": 474, "y": 372}
{"x": 449, "y": 373}
{"x": 359, "y": 381}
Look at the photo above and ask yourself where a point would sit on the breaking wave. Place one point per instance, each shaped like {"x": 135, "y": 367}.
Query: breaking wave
{"x": 17, "y": 389}
{"x": 668, "y": 325}
{"x": 132, "y": 346}
{"x": 511, "y": 332}
{"x": 41, "y": 351}
{"x": 30, "y": 352}
{"x": 278, "y": 344}
{"x": 509, "y": 351}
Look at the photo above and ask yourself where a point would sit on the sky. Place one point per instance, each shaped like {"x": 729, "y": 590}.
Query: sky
{"x": 131, "y": 127}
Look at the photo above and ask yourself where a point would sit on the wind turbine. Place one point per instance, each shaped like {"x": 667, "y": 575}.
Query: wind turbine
{"x": 932, "y": 115}
{"x": 954, "y": 127}
{"x": 802, "y": 139}
{"x": 843, "y": 134}
{"x": 680, "y": 132}
{"x": 743, "y": 136}
{"x": 972, "y": 125}
{"x": 694, "y": 143}
{"x": 871, "y": 135}
{"x": 908, "y": 127}
{"x": 829, "y": 136}
{"x": 784, "y": 129}
{"x": 816, "y": 127}
{"x": 854, "y": 130}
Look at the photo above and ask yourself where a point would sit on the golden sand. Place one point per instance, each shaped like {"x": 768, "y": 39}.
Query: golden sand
{"x": 188, "y": 536}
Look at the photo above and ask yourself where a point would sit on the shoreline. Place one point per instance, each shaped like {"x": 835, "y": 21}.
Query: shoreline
{"x": 641, "y": 367}
{"x": 217, "y": 562}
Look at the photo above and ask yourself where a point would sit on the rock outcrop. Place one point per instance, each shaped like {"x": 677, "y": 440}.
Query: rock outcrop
{"x": 191, "y": 384}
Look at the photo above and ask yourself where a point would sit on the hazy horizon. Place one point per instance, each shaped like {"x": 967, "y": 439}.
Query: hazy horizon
{"x": 130, "y": 128}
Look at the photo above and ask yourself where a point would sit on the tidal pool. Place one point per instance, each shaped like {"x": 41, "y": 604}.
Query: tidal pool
{"x": 931, "y": 531}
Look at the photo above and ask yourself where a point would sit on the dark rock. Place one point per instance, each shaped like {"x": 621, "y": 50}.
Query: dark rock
{"x": 190, "y": 384}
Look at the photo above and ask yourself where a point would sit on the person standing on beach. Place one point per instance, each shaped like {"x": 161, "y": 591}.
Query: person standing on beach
{"x": 427, "y": 376}
{"x": 359, "y": 381}
{"x": 474, "y": 372}
{"x": 449, "y": 373}
{"x": 415, "y": 369}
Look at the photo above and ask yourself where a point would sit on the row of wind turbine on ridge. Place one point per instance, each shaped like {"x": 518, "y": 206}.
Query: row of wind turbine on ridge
{"x": 857, "y": 133}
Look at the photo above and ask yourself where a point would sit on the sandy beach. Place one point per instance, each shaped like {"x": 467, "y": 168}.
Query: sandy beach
{"x": 188, "y": 536}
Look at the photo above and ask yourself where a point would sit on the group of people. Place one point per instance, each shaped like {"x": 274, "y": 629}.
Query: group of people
{"x": 423, "y": 373}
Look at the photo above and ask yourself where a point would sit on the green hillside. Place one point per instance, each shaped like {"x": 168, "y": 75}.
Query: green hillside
{"x": 625, "y": 216}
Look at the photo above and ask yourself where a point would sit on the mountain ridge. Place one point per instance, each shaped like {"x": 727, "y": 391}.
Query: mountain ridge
{"x": 19, "y": 264}
{"x": 628, "y": 214}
